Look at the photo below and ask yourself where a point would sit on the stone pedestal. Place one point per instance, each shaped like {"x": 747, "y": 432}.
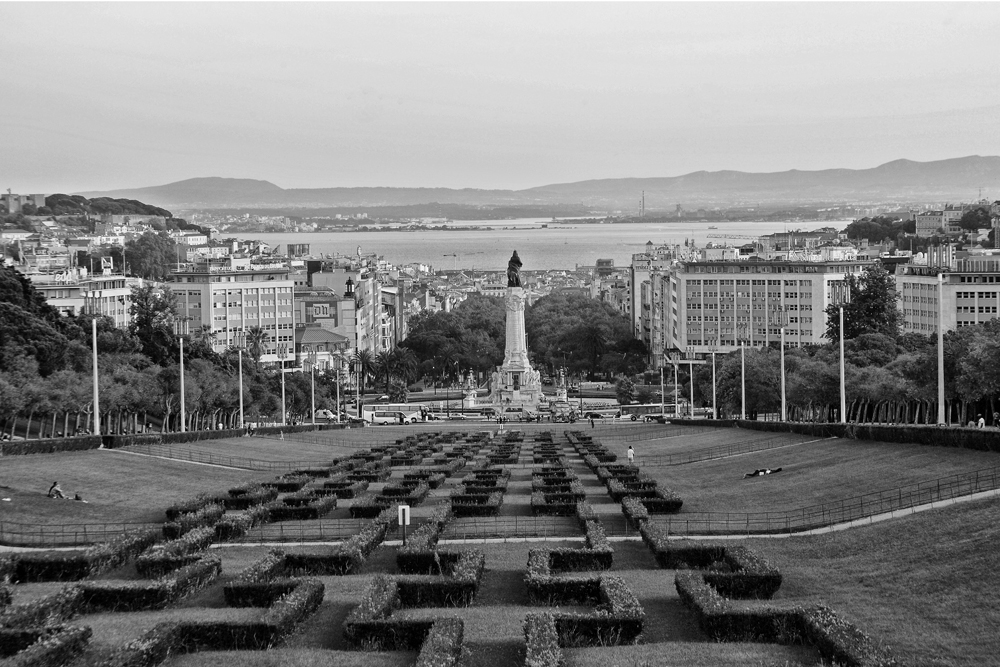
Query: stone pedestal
{"x": 516, "y": 383}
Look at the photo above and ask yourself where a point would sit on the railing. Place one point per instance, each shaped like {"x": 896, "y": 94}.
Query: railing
{"x": 181, "y": 454}
{"x": 721, "y": 451}
{"x": 499, "y": 527}
{"x": 323, "y": 530}
{"x": 65, "y": 535}
{"x": 837, "y": 512}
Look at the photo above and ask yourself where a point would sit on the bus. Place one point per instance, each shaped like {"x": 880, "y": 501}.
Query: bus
{"x": 638, "y": 411}
{"x": 412, "y": 412}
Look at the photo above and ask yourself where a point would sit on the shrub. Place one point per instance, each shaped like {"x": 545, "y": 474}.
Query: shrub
{"x": 418, "y": 555}
{"x": 51, "y": 609}
{"x": 161, "y": 559}
{"x": 319, "y": 507}
{"x": 542, "y": 640}
{"x": 231, "y": 527}
{"x": 634, "y": 511}
{"x": 76, "y": 565}
{"x": 443, "y": 645}
{"x": 48, "y": 647}
{"x": 144, "y": 595}
{"x": 458, "y": 589}
{"x": 345, "y": 488}
{"x": 349, "y": 555}
{"x": 207, "y": 515}
{"x": 50, "y": 445}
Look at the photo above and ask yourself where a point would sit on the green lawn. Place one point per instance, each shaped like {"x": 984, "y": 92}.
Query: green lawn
{"x": 118, "y": 487}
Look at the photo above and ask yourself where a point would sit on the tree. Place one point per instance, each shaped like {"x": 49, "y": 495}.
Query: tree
{"x": 256, "y": 343}
{"x": 151, "y": 255}
{"x": 625, "y": 391}
{"x": 154, "y": 312}
{"x": 872, "y": 308}
{"x": 975, "y": 219}
{"x": 364, "y": 363}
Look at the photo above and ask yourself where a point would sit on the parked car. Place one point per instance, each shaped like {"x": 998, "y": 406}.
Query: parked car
{"x": 659, "y": 419}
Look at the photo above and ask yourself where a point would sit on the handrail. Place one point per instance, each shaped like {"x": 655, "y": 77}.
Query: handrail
{"x": 16, "y": 534}
{"x": 823, "y": 515}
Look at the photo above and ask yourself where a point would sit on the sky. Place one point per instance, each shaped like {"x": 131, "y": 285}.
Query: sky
{"x": 101, "y": 96}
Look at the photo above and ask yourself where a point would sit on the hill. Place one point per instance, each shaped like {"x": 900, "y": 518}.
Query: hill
{"x": 900, "y": 180}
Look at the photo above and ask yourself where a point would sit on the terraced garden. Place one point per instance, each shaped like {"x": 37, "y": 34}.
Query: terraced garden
{"x": 535, "y": 546}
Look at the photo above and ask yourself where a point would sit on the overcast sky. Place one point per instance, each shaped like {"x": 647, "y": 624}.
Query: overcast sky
{"x": 506, "y": 95}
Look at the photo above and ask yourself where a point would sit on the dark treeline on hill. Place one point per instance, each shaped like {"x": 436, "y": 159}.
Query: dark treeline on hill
{"x": 45, "y": 370}
{"x": 881, "y": 228}
{"x": 60, "y": 204}
{"x": 583, "y": 335}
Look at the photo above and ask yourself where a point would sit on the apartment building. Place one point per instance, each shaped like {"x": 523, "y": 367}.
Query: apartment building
{"x": 704, "y": 304}
{"x": 965, "y": 291}
{"x": 232, "y": 294}
{"x": 644, "y": 264}
{"x": 75, "y": 292}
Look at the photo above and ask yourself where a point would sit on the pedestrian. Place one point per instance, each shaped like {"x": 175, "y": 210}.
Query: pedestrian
{"x": 996, "y": 419}
{"x": 630, "y": 454}
{"x": 591, "y": 422}
{"x": 981, "y": 423}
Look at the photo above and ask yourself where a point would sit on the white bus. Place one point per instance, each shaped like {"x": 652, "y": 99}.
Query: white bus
{"x": 412, "y": 412}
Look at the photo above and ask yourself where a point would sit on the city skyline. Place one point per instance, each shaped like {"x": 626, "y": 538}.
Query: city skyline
{"x": 485, "y": 95}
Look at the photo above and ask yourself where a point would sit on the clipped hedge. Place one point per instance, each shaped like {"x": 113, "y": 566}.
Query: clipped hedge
{"x": 51, "y": 609}
{"x": 443, "y": 645}
{"x": 50, "y": 445}
{"x": 77, "y": 565}
{"x": 635, "y": 512}
{"x": 419, "y": 555}
{"x": 347, "y": 556}
{"x": 42, "y": 647}
{"x": 542, "y": 641}
{"x": 736, "y": 571}
{"x": 319, "y": 507}
{"x": 459, "y": 588}
{"x": 835, "y": 639}
{"x": 237, "y": 525}
{"x": 346, "y": 489}
{"x": 145, "y": 595}
{"x": 206, "y": 515}
{"x": 161, "y": 559}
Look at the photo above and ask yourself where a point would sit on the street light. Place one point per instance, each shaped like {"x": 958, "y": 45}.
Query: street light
{"x": 743, "y": 335}
{"x": 239, "y": 340}
{"x": 312, "y": 378}
{"x": 97, "y": 391}
{"x": 782, "y": 316}
{"x": 713, "y": 347}
{"x": 282, "y": 355}
{"x": 180, "y": 328}
{"x": 842, "y": 296}
{"x": 940, "y": 346}
{"x": 690, "y": 356}
{"x": 663, "y": 408}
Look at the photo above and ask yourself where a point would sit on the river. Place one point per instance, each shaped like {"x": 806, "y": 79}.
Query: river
{"x": 562, "y": 245}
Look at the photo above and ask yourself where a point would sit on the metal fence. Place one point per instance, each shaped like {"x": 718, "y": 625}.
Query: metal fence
{"x": 322, "y": 530}
{"x": 499, "y": 527}
{"x": 65, "y": 535}
{"x": 198, "y": 456}
{"x": 822, "y": 515}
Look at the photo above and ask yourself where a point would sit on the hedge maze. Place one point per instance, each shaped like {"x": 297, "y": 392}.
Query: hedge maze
{"x": 441, "y": 599}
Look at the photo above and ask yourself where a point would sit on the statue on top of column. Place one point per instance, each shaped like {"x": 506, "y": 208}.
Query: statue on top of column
{"x": 514, "y": 271}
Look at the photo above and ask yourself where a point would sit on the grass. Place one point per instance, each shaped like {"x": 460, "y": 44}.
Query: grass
{"x": 821, "y": 472}
{"x": 117, "y": 486}
{"x": 923, "y": 584}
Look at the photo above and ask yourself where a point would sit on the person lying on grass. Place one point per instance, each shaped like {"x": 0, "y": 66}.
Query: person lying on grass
{"x": 760, "y": 472}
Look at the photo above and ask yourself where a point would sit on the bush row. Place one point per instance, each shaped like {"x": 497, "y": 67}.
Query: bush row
{"x": 480, "y": 504}
{"x": 419, "y": 555}
{"x": 317, "y": 508}
{"x": 619, "y": 621}
{"x": 735, "y": 571}
{"x": 542, "y": 641}
{"x": 165, "y": 557}
{"x": 458, "y": 588}
{"x": 76, "y": 565}
{"x": 49, "y": 610}
{"x": 50, "y": 445}
{"x": 836, "y": 639}
{"x": 179, "y": 637}
{"x": 443, "y": 645}
{"x": 261, "y": 583}
{"x": 110, "y": 595}
{"x": 42, "y": 647}
{"x": 207, "y": 515}
{"x": 347, "y": 556}
{"x": 236, "y": 525}
{"x": 346, "y": 488}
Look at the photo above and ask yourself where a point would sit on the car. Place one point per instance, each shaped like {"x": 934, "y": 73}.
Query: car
{"x": 352, "y": 420}
{"x": 594, "y": 415}
{"x": 456, "y": 416}
{"x": 659, "y": 419}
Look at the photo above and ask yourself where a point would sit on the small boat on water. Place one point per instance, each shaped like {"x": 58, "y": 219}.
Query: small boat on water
{"x": 712, "y": 227}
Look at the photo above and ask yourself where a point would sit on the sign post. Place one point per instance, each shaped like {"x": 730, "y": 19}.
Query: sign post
{"x": 404, "y": 520}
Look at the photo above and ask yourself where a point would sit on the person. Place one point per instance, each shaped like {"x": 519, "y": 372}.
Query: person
{"x": 591, "y": 422}
{"x": 760, "y": 472}
{"x": 981, "y": 423}
{"x": 996, "y": 419}
{"x": 630, "y": 454}
{"x": 55, "y": 491}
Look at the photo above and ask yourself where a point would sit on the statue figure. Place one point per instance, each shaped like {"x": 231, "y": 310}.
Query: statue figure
{"x": 514, "y": 271}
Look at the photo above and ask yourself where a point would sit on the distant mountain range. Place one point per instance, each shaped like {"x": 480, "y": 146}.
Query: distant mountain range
{"x": 957, "y": 179}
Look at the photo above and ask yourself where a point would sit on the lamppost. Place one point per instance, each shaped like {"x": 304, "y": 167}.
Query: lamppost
{"x": 743, "y": 335}
{"x": 663, "y": 409}
{"x": 282, "y": 355}
{"x": 97, "y": 392}
{"x": 181, "y": 330}
{"x": 673, "y": 361}
{"x": 434, "y": 379}
{"x": 842, "y": 295}
{"x": 239, "y": 340}
{"x": 782, "y": 317}
{"x": 357, "y": 387}
{"x": 690, "y": 356}
{"x": 713, "y": 347}
{"x": 312, "y": 379}
{"x": 940, "y": 346}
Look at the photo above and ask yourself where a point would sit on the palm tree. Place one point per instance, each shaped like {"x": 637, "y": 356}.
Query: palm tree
{"x": 256, "y": 339}
{"x": 405, "y": 362}
{"x": 384, "y": 364}
{"x": 364, "y": 362}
